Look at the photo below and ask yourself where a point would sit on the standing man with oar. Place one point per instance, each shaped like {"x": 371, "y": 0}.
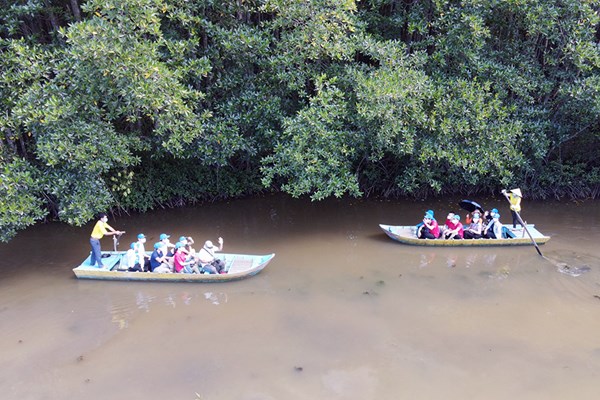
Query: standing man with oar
{"x": 514, "y": 199}
{"x": 100, "y": 229}
{"x": 515, "y": 206}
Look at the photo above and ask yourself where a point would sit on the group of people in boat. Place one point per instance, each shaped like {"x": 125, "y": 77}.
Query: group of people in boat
{"x": 478, "y": 224}
{"x": 166, "y": 257}
{"x": 180, "y": 257}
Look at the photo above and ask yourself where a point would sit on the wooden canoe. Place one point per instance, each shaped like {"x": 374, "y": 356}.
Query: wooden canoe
{"x": 406, "y": 234}
{"x": 238, "y": 266}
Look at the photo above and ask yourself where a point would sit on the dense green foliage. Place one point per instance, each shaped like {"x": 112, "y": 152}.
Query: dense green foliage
{"x": 134, "y": 104}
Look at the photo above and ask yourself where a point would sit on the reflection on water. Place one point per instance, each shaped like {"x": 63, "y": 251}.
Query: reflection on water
{"x": 123, "y": 312}
{"x": 478, "y": 258}
{"x": 342, "y": 312}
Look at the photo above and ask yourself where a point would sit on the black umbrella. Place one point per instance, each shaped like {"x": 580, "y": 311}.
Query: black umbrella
{"x": 470, "y": 205}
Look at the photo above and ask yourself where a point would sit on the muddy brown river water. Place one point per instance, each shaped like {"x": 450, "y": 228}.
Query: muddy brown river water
{"x": 342, "y": 312}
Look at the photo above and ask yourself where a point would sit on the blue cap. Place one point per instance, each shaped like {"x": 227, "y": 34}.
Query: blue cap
{"x": 157, "y": 245}
{"x": 141, "y": 236}
{"x": 456, "y": 217}
{"x": 163, "y": 236}
{"x": 494, "y": 210}
{"x": 496, "y": 215}
{"x": 132, "y": 246}
{"x": 429, "y": 212}
{"x": 182, "y": 239}
{"x": 179, "y": 245}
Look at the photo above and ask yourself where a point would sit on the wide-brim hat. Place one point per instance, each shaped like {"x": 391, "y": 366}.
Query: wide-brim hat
{"x": 516, "y": 192}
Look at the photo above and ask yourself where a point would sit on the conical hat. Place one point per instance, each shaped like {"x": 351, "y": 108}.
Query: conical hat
{"x": 516, "y": 192}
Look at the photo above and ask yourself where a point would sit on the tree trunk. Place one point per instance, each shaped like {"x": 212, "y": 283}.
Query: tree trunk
{"x": 76, "y": 10}
{"x": 10, "y": 144}
{"x": 51, "y": 16}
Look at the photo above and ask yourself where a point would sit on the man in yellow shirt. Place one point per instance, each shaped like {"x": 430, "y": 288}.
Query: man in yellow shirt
{"x": 514, "y": 197}
{"x": 100, "y": 229}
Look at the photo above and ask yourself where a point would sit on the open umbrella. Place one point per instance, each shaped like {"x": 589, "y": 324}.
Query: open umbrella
{"x": 470, "y": 205}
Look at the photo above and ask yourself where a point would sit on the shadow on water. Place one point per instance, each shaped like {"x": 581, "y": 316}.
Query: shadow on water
{"x": 342, "y": 312}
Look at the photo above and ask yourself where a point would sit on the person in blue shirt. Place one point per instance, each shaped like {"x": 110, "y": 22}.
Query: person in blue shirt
{"x": 158, "y": 260}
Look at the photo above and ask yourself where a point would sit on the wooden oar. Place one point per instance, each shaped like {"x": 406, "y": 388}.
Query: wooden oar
{"x": 529, "y": 233}
{"x": 116, "y": 240}
{"x": 525, "y": 227}
{"x": 561, "y": 266}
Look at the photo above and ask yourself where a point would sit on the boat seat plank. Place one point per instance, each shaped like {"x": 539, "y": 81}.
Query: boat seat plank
{"x": 240, "y": 264}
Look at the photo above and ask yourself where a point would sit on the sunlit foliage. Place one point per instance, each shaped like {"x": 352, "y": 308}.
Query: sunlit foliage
{"x": 133, "y": 104}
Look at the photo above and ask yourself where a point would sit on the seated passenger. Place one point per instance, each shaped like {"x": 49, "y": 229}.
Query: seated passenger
{"x": 208, "y": 261}
{"x": 455, "y": 228}
{"x": 447, "y": 224}
{"x": 429, "y": 229}
{"x": 143, "y": 258}
{"x": 181, "y": 264}
{"x": 493, "y": 230}
{"x": 158, "y": 260}
{"x": 188, "y": 246}
{"x": 468, "y": 218}
{"x": 190, "y": 252}
{"x": 488, "y": 216}
{"x": 129, "y": 260}
{"x": 164, "y": 238}
{"x": 474, "y": 230}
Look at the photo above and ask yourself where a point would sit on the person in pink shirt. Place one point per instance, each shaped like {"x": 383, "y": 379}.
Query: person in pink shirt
{"x": 455, "y": 228}
{"x": 180, "y": 262}
{"x": 430, "y": 228}
{"x": 448, "y": 225}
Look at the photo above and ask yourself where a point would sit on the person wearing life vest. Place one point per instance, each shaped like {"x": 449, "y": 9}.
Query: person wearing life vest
{"x": 514, "y": 197}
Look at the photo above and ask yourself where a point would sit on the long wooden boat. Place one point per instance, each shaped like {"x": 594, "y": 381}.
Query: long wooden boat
{"x": 238, "y": 266}
{"x": 406, "y": 234}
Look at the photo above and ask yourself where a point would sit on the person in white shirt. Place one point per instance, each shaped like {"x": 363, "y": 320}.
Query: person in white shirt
{"x": 208, "y": 260}
{"x": 129, "y": 262}
{"x": 142, "y": 257}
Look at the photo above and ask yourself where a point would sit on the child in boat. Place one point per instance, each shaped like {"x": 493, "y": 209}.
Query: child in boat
{"x": 429, "y": 229}
{"x": 475, "y": 228}
{"x": 455, "y": 228}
